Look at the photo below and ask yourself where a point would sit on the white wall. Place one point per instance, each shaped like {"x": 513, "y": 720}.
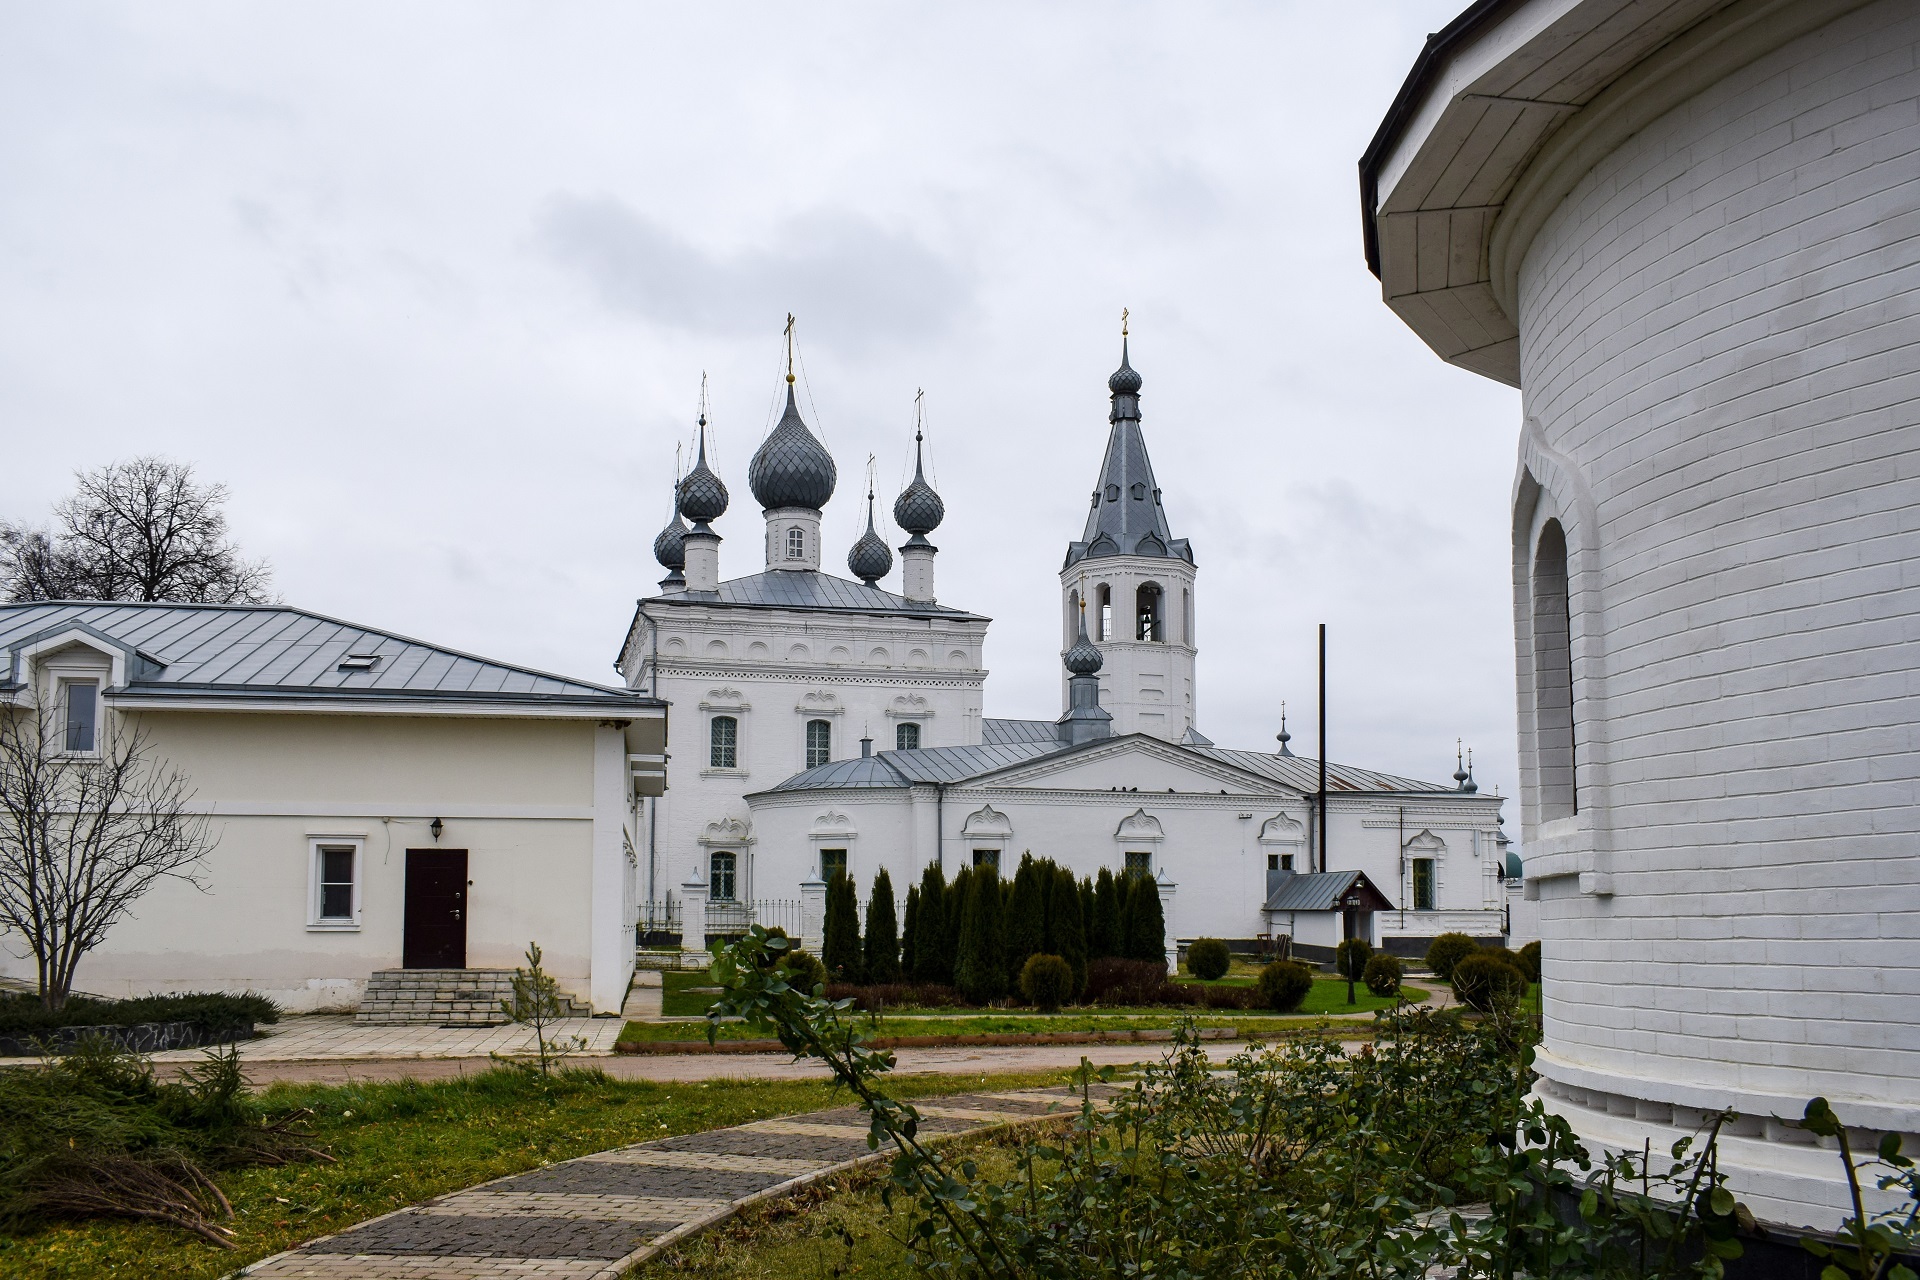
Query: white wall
{"x": 1718, "y": 332}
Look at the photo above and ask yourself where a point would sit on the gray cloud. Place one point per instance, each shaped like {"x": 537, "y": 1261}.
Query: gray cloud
{"x": 851, "y": 277}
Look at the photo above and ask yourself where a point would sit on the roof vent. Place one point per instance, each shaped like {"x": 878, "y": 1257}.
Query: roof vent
{"x": 360, "y": 662}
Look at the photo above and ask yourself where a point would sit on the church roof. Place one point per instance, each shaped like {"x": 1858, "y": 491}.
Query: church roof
{"x": 1303, "y": 774}
{"x": 1126, "y": 518}
{"x": 1001, "y": 732}
{"x": 810, "y": 589}
{"x": 1322, "y": 891}
{"x": 279, "y": 653}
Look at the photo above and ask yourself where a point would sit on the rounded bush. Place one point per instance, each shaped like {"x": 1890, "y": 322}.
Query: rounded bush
{"x": 1284, "y": 984}
{"x": 1047, "y": 982}
{"x": 1382, "y": 974}
{"x": 1448, "y": 950}
{"x": 804, "y": 972}
{"x": 1528, "y": 958}
{"x": 1207, "y": 959}
{"x": 1486, "y": 980}
{"x": 1350, "y": 958}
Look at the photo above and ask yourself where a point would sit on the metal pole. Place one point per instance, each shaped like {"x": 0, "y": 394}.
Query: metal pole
{"x": 1322, "y": 824}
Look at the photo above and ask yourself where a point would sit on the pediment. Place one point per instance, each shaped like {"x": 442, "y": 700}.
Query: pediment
{"x": 1135, "y": 762}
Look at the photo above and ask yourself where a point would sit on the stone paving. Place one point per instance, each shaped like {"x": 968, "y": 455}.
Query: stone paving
{"x": 320, "y": 1037}
{"x": 599, "y": 1215}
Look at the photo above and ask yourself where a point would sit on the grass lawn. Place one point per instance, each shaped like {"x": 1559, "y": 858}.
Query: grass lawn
{"x": 399, "y": 1143}
{"x": 687, "y": 995}
{"x": 1329, "y": 996}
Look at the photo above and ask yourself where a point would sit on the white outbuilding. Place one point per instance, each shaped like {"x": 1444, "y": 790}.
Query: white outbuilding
{"x": 1689, "y": 232}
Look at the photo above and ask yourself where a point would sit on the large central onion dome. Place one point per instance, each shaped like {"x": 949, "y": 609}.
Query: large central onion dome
{"x": 870, "y": 560}
{"x": 918, "y": 509}
{"x": 702, "y": 496}
{"x": 792, "y": 469}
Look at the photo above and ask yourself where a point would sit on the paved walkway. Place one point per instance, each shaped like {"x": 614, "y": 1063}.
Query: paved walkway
{"x": 601, "y": 1214}
{"x": 324, "y": 1037}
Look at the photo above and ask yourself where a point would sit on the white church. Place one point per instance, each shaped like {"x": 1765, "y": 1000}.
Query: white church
{"x": 821, "y": 724}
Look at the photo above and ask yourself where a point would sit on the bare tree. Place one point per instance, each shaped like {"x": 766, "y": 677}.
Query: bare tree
{"x": 136, "y": 530}
{"x": 83, "y": 835}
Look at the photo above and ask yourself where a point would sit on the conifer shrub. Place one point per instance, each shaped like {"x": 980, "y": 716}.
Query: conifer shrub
{"x": 1103, "y": 939}
{"x": 932, "y": 958}
{"x": 1046, "y": 982}
{"x": 1350, "y": 958}
{"x": 840, "y": 933}
{"x": 804, "y": 970}
{"x": 882, "y": 949}
{"x": 1066, "y": 927}
{"x": 909, "y": 927}
{"x": 1486, "y": 980}
{"x": 1448, "y": 950}
{"x": 1026, "y": 921}
{"x": 1284, "y": 984}
{"x": 1146, "y": 925}
{"x": 1528, "y": 958}
{"x": 1382, "y": 974}
{"x": 1208, "y": 960}
{"x": 979, "y": 967}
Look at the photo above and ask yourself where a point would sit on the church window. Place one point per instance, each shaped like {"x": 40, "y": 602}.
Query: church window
{"x": 722, "y": 882}
{"x": 833, "y": 862}
{"x": 723, "y": 743}
{"x": 1103, "y": 625}
{"x": 819, "y": 743}
{"x": 1553, "y": 675}
{"x": 1286, "y": 862}
{"x": 796, "y": 544}
{"x": 1147, "y": 609}
{"x": 1140, "y": 864}
{"x": 987, "y": 858}
{"x": 907, "y": 737}
{"x": 1186, "y": 616}
{"x": 1423, "y": 884}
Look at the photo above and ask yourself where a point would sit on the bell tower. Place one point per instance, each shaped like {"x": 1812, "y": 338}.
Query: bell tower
{"x": 1137, "y": 582}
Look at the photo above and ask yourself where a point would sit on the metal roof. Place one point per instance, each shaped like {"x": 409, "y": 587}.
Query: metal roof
{"x": 1320, "y": 890}
{"x": 1001, "y": 732}
{"x": 1126, "y": 518}
{"x": 271, "y": 651}
{"x": 1303, "y": 774}
{"x": 810, "y": 589}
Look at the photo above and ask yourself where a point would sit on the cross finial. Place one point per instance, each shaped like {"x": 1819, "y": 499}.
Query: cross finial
{"x": 789, "y": 335}
{"x": 703, "y": 397}
{"x": 1123, "y": 322}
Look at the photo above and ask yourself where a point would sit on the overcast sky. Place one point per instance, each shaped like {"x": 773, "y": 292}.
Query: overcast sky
{"x": 431, "y": 289}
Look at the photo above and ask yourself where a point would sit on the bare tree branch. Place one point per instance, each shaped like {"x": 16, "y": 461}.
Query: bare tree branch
{"x": 135, "y": 530}
{"x": 84, "y": 836}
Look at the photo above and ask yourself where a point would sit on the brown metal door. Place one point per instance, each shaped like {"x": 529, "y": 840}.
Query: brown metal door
{"x": 436, "y": 913}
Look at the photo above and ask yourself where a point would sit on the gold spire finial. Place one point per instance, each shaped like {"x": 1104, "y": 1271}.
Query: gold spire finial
{"x": 1123, "y": 322}
{"x": 789, "y": 346}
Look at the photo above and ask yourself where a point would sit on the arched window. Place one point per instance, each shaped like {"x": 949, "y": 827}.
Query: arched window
{"x": 1103, "y": 622}
{"x": 723, "y": 739}
{"x": 1186, "y": 617}
{"x": 819, "y": 742}
{"x": 1073, "y": 618}
{"x": 722, "y": 880}
{"x": 1147, "y": 612}
{"x": 796, "y": 544}
{"x": 907, "y": 737}
{"x": 1553, "y": 676}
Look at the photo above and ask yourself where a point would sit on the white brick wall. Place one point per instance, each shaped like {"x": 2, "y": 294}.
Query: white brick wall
{"x": 1721, "y": 340}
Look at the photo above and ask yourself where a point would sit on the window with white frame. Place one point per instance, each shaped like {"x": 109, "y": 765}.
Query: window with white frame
{"x": 907, "y": 737}
{"x": 80, "y": 715}
{"x": 723, "y": 737}
{"x": 1423, "y": 884}
{"x": 723, "y": 881}
{"x": 336, "y": 883}
{"x": 819, "y": 743}
{"x": 1139, "y": 864}
{"x": 796, "y": 544}
{"x": 833, "y": 862}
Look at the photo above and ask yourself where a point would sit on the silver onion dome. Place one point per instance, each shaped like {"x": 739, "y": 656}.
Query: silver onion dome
{"x": 670, "y": 545}
{"x": 870, "y": 560}
{"x": 918, "y": 509}
{"x": 702, "y": 495}
{"x": 1125, "y": 380}
{"x": 791, "y": 468}
{"x": 1084, "y": 659}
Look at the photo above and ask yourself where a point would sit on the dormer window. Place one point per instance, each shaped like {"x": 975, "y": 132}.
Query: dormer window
{"x": 796, "y": 544}
{"x": 80, "y": 709}
{"x": 360, "y": 662}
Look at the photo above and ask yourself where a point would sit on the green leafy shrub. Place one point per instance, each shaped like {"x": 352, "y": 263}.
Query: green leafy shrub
{"x": 1207, "y": 959}
{"x": 804, "y": 970}
{"x": 1284, "y": 984}
{"x": 1382, "y": 974}
{"x": 1487, "y": 979}
{"x": 24, "y": 1015}
{"x": 1446, "y": 951}
{"x": 1350, "y": 958}
{"x": 1528, "y": 958}
{"x": 1047, "y": 982}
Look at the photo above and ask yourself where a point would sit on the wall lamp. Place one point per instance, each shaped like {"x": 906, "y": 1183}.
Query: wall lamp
{"x": 436, "y": 826}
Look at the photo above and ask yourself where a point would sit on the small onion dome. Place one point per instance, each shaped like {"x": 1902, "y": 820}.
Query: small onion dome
{"x": 702, "y": 496}
{"x": 1083, "y": 659}
{"x": 870, "y": 560}
{"x": 1125, "y": 381}
{"x": 792, "y": 469}
{"x": 670, "y": 547}
{"x": 918, "y": 509}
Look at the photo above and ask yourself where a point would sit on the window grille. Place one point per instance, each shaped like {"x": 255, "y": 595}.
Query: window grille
{"x": 721, "y": 883}
{"x": 907, "y": 737}
{"x": 725, "y": 741}
{"x": 819, "y": 743}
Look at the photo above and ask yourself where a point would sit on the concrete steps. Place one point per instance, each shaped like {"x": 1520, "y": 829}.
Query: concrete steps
{"x": 444, "y": 998}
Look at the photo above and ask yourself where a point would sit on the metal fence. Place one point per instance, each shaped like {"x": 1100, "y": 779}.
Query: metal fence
{"x": 660, "y": 922}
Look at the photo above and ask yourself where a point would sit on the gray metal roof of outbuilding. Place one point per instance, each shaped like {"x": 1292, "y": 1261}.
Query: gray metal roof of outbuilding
{"x": 1318, "y": 890}
{"x": 809, "y": 589}
{"x": 279, "y": 652}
